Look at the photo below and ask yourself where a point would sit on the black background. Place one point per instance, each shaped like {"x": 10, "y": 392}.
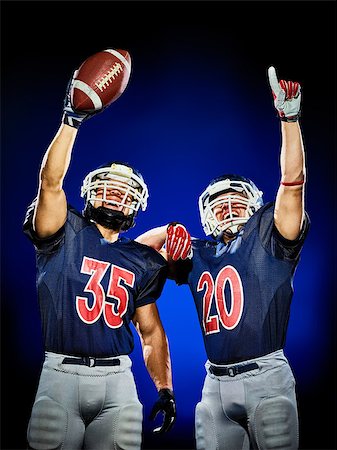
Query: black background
{"x": 44, "y": 39}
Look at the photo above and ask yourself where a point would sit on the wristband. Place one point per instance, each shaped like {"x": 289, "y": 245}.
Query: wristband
{"x": 293, "y": 183}
{"x": 71, "y": 121}
{"x": 290, "y": 119}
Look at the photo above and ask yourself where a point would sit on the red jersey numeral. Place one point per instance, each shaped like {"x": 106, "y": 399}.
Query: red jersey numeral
{"x": 113, "y": 312}
{"x": 228, "y": 319}
{"x": 211, "y": 323}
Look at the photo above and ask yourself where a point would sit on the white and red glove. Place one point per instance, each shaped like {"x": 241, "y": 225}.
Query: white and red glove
{"x": 178, "y": 242}
{"x": 287, "y": 97}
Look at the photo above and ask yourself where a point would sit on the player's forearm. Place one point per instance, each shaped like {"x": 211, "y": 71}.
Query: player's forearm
{"x": 289, "y": 205}
{"x": 292, "y": 158}
{"x": 154, "y": 238}
{"x": 56, "y": 160}
{"x": 157, "y": 359}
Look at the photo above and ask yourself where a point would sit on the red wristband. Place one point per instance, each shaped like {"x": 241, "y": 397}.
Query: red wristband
{"x": 294, "y": 183}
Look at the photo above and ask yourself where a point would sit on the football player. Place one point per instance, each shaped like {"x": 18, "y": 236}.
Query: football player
{"x": 92, "y": 283}
{"x": 242, "y": 285}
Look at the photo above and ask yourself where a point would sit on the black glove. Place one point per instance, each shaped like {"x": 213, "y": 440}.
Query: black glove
{"x": 72, "y": 117}
{"x": 167, "y": 405}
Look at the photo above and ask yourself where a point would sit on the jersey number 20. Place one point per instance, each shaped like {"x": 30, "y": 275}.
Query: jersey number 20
{"x": 112, "y": 313}
{"x": 216, "y": 289}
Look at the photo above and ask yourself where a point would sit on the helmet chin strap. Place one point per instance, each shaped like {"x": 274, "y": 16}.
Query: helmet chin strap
{"x": 108, "y": 218}
{"x": 229, "y": 233}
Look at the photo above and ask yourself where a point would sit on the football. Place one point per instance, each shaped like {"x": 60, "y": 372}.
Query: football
{"x": 100, "y": 80}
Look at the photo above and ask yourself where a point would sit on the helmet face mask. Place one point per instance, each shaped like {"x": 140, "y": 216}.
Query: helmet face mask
{"x": 238, "y": 195}
{"x": 125, "y": 185}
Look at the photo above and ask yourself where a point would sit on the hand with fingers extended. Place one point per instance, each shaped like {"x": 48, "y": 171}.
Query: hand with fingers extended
{"x": 287, "y": 97}
{"x": 178, "y": 242}
{"x": 167, "y": 405}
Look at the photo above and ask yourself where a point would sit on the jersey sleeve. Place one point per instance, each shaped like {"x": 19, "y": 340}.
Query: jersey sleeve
{"x": 154, "y": 279}
{"x": 274, "y": 242}
{"x": 290, "y": 249}
{"x": 46, "y": 245}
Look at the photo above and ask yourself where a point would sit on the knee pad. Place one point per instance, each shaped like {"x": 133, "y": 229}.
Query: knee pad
{"x": 276, "y": 424}
{"x": 205, "y": 431}
{"x": 129, "y": 427}
{"x": 47, "y": 425}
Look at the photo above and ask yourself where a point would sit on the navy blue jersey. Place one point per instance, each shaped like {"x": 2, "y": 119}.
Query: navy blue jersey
{"x": 243, "y": 290}
{"x": 88, "y": 288}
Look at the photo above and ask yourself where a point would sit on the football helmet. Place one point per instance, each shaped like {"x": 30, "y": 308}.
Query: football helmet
{"x": 133, "y": 195}
{"x": 250, "y": 200}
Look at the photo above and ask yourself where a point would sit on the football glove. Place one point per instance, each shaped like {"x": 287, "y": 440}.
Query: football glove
{"x": 287, "y": 97}
{"x": 178, "y": 242}
{"x": 167, "y": 405}
{"x": 72, "y": 117}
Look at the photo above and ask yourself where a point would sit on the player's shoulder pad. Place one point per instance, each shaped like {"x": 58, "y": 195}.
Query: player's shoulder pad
{"x": 46, "y": 245}
{"x": 266, "y": 209}
{"x": 76, "y": 219}
{"x": 150, "y": 254}
{"x": 266, "y": 212}
{"x": 74, "y": 211}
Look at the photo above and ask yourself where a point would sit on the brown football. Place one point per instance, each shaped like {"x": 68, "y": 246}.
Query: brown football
{"x": 100, "y": 80}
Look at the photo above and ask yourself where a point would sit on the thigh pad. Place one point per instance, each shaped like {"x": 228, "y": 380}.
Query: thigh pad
{"x": 47, "y": 425}
{"x": 276, "y": 424}
{"x": 205, "y": 429}
{"x": 129, "y": 427}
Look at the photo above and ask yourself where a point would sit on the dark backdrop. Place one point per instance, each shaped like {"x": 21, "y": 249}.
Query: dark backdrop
{"x": 198, "y": 104}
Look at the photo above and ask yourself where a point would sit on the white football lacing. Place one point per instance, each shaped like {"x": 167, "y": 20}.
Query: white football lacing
{"x": 113, "y": 72}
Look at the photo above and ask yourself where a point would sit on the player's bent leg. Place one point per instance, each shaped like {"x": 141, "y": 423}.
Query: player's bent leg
{"x": 118, "y": 428}
{"x": 49, "y": 427}
{"x": 215, "y": 434}
{"x": 275, "y": 424}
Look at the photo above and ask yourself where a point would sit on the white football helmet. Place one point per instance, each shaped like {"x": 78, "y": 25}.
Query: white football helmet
{"x": 125, "y": 179}
{"x": 250, "y": 199}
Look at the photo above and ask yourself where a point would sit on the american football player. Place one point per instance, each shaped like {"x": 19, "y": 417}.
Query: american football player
{"x": 242, "y": 285}
{"x": 92, "y": 284}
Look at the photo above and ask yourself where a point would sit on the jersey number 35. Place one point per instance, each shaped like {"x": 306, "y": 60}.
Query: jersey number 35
{"x": 112, "y": 312}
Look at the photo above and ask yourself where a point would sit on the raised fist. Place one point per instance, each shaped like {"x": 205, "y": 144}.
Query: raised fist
{"x": 287, "y": 97}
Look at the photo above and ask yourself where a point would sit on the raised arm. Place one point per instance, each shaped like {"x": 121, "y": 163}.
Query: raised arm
{"x": 158, "y": 362}
{"x": 51, "y": 208}
{"x": 289, "y": 205}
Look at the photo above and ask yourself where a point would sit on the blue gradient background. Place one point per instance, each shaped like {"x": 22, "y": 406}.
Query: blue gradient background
{"x": 198, "y": 104}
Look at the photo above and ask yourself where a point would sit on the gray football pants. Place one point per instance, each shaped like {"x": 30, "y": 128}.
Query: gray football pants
{"x": 256, "y": 409}
{"x": 85, "y": 407}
